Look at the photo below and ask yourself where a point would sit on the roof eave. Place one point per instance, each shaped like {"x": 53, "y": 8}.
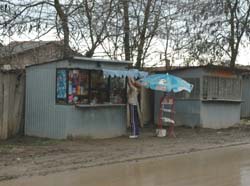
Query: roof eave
{"x": 101, "y": 60}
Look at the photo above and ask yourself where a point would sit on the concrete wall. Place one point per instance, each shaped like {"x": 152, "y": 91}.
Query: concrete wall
{"x": 218, "y": 115}
{"x": 45, "y": 118}
{"x": 11, "y": 103}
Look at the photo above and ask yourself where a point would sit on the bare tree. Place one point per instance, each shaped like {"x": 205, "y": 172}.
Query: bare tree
{"x": 25, "y": 17}
{"x": 238, "y": 18}
{"x": 114, "y": 45}
{"x": 126, "y": 29}
{"x": 93, "y": 21}
{"x": 64, "y": 22}
{"x": 214, "y": 29}
{"x": 199, "y": 30}
{"x": 143, "y": 33}
{"x": 35, "y": 18}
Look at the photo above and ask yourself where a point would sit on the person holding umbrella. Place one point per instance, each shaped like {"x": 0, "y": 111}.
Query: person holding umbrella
{"x": 133, "y": 91}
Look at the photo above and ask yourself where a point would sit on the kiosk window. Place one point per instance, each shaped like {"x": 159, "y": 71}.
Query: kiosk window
{"x": 88, "y": 87}
{"x": 61, "y": 86}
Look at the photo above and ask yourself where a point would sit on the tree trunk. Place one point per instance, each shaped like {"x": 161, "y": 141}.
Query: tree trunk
{"x": 126, "y": 29}
{"x": 64, "y": 19}
{"x": 143, "y": 34}
{"x": 233, "y": 36}
{"x": 167, "y": 61}
{"x": 90, "y": 52}
{"x": 233, "y": 59}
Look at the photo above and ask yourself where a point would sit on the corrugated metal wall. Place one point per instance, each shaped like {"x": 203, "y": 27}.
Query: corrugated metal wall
{"x": 187, "y": 111}
{"x": 218, "y": 115}
{"x": 45, "y": 118}
{"x": 197, "y": 112}
{"x": 42, "y": 117}
{"x": 96, "y": 122}
{"x": 245, "y": 105}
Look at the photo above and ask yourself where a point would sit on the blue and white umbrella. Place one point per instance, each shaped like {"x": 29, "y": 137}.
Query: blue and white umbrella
{"x": 166, "y": 83}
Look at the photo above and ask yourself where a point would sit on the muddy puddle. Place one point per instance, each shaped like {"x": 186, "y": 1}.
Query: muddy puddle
{"x": 218, "y": 167}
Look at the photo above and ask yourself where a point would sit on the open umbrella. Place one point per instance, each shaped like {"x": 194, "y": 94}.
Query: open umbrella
{"x": 166, "y": 83}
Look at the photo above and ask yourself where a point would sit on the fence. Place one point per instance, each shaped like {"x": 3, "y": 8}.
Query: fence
{"x": 12, "y": 93}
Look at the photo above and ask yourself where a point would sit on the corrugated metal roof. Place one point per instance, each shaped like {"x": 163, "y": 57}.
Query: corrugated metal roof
{"x": 206, "y": 67}
{"x": 101, "y": 60}
{"x": 83, "y": 59}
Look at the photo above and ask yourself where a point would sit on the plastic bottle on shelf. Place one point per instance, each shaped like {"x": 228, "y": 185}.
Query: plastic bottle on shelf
{"x": 78, "y": 90}
{"x": 82, "y": 90}
{"x": 70, "y": 88}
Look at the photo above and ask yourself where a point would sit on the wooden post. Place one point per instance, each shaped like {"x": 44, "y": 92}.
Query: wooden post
{"x": 6, "y": 82}
{"x": 147, "y": 105}
{"x": 18, "y": 106}
{"x": 1, "y": 105}
{"x": 12, "y": 104}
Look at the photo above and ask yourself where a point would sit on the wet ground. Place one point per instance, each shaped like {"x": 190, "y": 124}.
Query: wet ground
{"x": 228, "y": 166}
{"x": 28, "y": 157}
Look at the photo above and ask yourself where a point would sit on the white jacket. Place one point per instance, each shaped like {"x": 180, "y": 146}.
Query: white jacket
{"x": 132, "y": 95}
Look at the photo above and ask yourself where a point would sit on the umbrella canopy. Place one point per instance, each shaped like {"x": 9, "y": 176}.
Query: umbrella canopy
{"x": 124, "y": 73}
{"x": 166, "y": 83}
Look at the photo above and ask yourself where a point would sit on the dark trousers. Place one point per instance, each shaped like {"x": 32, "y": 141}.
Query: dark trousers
{"x": 134, "y": 119}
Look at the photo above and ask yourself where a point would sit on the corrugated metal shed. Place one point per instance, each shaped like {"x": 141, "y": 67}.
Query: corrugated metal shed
{"x": 45, "y": 118}
{"x": 214, "y": 102}
{"x": 245, "y": 106}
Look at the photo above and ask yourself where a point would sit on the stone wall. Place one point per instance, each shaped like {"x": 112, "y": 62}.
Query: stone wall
{"x": 44, "y": 53}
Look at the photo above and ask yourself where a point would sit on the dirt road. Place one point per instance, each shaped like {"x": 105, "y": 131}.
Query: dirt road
{"x": 26, "y": 156}
{"x": 228, "y": 166}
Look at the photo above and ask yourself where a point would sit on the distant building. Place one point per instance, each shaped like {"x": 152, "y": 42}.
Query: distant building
{"x": 20, "y": 54}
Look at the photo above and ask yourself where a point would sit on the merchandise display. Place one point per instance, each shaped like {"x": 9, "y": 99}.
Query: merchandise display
{"x": 61, "y": 86}
{"x": 75, "y": 86}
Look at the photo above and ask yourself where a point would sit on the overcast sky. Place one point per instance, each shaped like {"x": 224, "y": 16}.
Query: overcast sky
{"x": 243, "y": 58}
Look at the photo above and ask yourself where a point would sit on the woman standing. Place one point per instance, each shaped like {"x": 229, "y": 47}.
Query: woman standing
{"x": 133, "y": 109}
